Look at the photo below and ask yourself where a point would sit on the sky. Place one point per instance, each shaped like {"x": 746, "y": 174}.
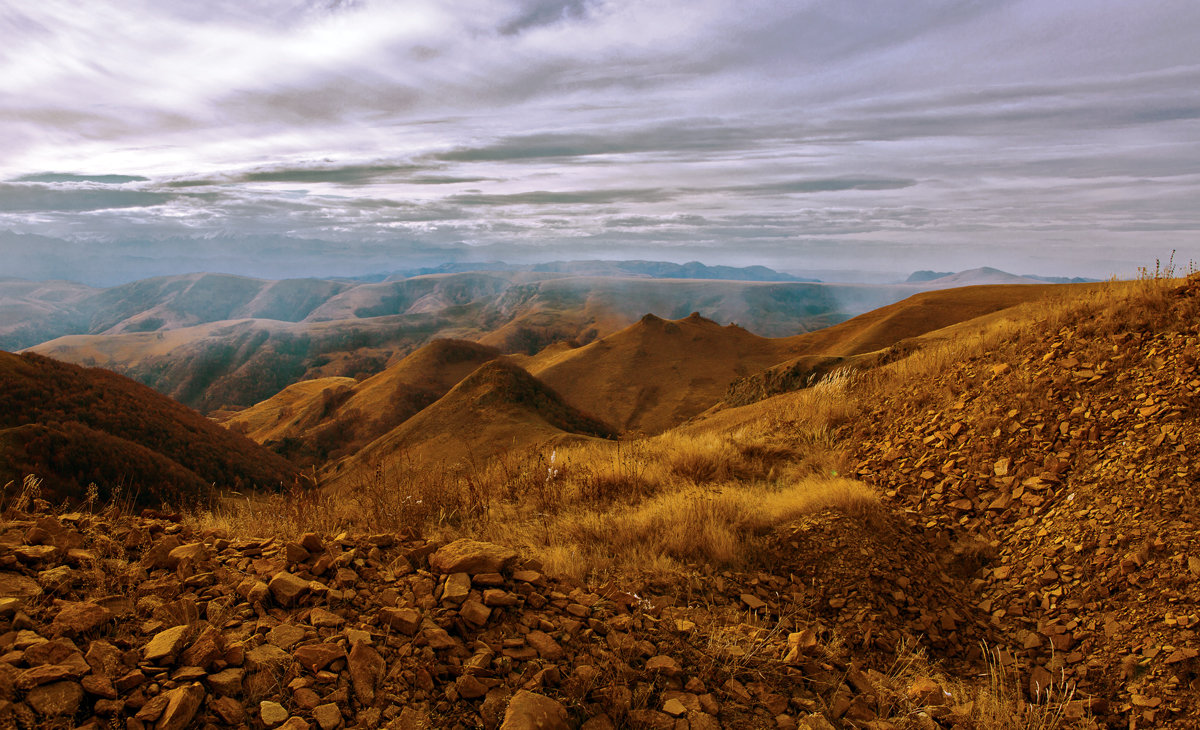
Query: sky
{"x": 318, "y": 137}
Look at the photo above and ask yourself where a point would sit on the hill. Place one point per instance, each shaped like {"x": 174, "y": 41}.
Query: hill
{"x": 884, "y": 334}
{"x": 315, "y": 420}
{"x": 498, "y": 408}
{"x": 162, "y": 332}
{"x": 656, "y": 373}
{"x": 72, "y": 426}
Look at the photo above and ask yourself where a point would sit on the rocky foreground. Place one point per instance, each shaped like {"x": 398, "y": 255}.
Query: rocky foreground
{"x": 140, "y": 622}
{"x": 1063, "y": 472}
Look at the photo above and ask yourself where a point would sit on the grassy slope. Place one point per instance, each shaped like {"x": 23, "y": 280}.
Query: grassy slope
{"x": 499, "y": 407}
{"x": 74, "y": 425}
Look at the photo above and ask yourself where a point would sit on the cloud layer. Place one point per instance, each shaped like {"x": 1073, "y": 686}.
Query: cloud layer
{"x": 1044, "y": 137}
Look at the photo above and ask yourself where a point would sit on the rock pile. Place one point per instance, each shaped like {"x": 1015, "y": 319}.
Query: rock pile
{"x": 141, "y": 622}
{"x": 1065, "y": 471}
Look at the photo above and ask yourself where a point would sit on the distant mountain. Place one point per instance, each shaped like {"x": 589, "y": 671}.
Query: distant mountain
{"x": 985, "y": 275}
{"x": 596, "y": 267}
{"x": 73, "y": 426}
{"x": 926, "y": 275}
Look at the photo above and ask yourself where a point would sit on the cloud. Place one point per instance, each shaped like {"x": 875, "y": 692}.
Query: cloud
{"x": 684, "y": 127}
{"x": 38, "y": 198}
{"x": 343, "y": 174}
{"x": 64, "y": 177}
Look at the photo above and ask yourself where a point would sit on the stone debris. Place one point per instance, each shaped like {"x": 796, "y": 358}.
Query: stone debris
{"x": 1061, "y": 490}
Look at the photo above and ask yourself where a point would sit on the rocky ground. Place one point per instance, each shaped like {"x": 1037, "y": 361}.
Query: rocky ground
{"x": 1066, "y": 471}
{"x": 139, "y": 622}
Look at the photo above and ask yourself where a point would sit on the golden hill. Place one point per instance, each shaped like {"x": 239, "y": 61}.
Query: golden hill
{"x": 499, "y": 407}
{"x": 656, "y": 373}
{"x": 72, "y": 426}
{"x": 315, "y": 420}
{"x": 889, "y": 333}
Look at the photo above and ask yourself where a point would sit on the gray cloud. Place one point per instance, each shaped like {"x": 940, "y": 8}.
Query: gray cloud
{"x": 968, "y": 131}
{"x": 64, "y": 177}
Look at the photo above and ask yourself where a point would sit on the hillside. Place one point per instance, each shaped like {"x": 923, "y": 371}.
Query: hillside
{"x": 72, "y": 426}
{"x": 1063, "y": 449}
{"x": 656, "y": 373}
{"x": 214, "y": 341}
{"x": 883, "y": 335}
{"x": 498, "y": 408}
{"x": 315, "y": 420}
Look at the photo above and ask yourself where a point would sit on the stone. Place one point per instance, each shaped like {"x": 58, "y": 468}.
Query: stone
{"x": 266, "y": 658}
{"x": 456, "y": 588}
{"x": 753, "y": 602}
{"x": 674, "y": 708}
{"x": 663, "y": 664}
{"x": 165, "y": 644}
{"x": 547, "y": 648}
{"x": 925, "y": 691}
{"x": 312, "y": 542}
{"x": 182, "y": 705}
{"x": 287, "y": 589}
{"x": 530, "y": 711}
{"x": 285, "y": 636}
{"x": 271, "y": 713}
{"x": 322, "y": 619}
{"x": 366, "y": 671}
{"x": 45, "y": 674}
{"x": 59, "y": 698}
{"x": 405, "y": 620}
{"x": 315, "y": 657}
{"x": 15, "y": 585}
{"x": 229, "y": 710}
{"x": 499, "y": 598}
{"x": 79, "y": 618}
{"x": 227, "y": 681}
{"x": 195, "y": 552}
{"x": 469, "y": 687}
{"x": 328, "y": 716}
{"x": 206, "y": 649}
{"x": 475, "y": 613}
{"x": 471, "y": 556}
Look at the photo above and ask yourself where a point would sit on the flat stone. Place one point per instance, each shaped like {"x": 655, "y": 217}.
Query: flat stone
{"x": 59, "y": 698}
{"x": 16, "y": 585}
{"x": 321, "y": 619}
{"x": 315, "y": 657}
{"x": 285, "y": 636}
{"x": 266, "y": 657}
{"x": 547, "y": 648}
{"x": 475, "y": 613}
{"x": 405, "y": 620}
{"x": 287, "y": 588}
{"x": 456, "y": 588}
{"x": 195, "y": 552}
{"x": 471, "y": 556}
{"x": 529, "y": 711}
{"x": 80, "y": 618}
{"x": 182, "y": 705}
{"x": 165, "y": 644}
{"x": 366, "y": 670}
{"x": 227, "y": 681}
{"x": 272, "y": 713}
{"x": 328, "y": 716}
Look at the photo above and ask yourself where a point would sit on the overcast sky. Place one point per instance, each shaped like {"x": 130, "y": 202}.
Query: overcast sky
{"x": 1040, "y": 136}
